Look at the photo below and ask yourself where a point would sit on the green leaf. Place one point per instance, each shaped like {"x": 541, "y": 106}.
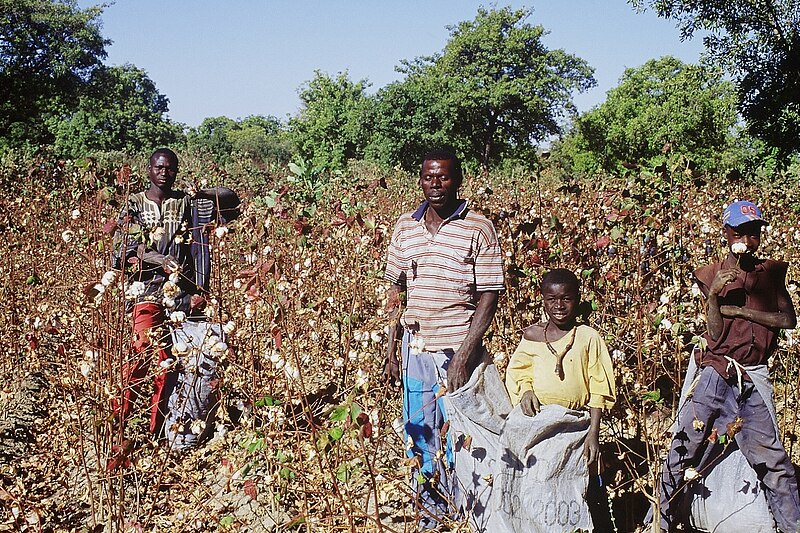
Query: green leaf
{"x": 336, "y": 433}
{"x": 339, "y": 414}
{"x": 226, "y": 521}
{"x": 343, "y": 473}
{"x": 654, "y": 396}
{"x": 287, "y": 473}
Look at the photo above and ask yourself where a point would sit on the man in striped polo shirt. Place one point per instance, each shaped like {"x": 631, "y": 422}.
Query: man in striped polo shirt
{"x": 447, "y": 260}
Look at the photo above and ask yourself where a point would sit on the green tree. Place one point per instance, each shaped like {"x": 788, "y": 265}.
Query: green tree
{"x": 410, "y": 119}
{"x": 494, "y": 91}
{"x": 664, "y": 105}
{"x": 48, "y": 51}
{"x": 120, "y": 109}
{"x": 758, "y": 42}
{"x": 334, "y": 123}
{"x": 263, "y": 140}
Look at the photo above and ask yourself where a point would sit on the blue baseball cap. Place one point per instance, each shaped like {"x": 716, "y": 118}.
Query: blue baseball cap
{"x": 742, "y": 212}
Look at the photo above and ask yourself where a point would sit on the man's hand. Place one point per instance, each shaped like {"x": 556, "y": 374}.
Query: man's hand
{"x": 197, "y": 302}
{"x": 722, "y": 278}
{"x": 170, "y": 264}
{"x": 391, "y": 371}
{"x": 456, "y": 373}
{"x": 591, "y": 450}
{"x": 530, "y": 403}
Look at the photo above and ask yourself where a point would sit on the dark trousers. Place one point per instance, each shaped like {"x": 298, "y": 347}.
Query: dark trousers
{"x": 717, "y": 402}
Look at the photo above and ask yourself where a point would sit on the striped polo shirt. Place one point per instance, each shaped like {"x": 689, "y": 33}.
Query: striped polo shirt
{"x": 443, "y": 273}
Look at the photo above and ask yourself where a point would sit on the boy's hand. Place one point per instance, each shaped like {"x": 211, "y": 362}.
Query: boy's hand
{"x": 723, "y": 277}
{"x": 591, "y": 450}
{"x": 530, "y": 403}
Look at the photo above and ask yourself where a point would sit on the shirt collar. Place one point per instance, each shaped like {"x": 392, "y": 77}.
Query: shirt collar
{"x": 460, "y": 212}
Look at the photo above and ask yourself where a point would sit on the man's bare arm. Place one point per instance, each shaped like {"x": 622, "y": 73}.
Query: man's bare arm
{"x": 466, "y": 358}
{"x": 393, "y": 310}
{"x": 784, "y": 318}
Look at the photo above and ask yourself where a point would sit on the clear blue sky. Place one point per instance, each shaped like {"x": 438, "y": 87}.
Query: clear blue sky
{"x": 249, "y": 57}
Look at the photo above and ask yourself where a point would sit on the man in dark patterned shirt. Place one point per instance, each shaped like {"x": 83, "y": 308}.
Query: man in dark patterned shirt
{"x": 162, "y": 247}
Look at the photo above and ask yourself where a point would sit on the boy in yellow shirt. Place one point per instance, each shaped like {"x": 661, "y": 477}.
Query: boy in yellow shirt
{"x": 561, "y": 362}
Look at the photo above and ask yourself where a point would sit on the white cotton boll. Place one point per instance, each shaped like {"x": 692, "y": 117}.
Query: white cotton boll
{"x": 237, "y": 284}
{"x": 166, "y": 363}
{"x": 221, "y": 231}
{"x": 134, "y": 290}
{"x": 229, "y": 327}
{"x": 417, "y": 345}
{"x": 174, "y": 277}
{"x": 375, "y": 336}
{"x": 665, "y": 324}
{"x": 180, "y": 348}
{"x": 219, "y": 347}
{"x": 75, "y": 214}
{"x": 168, "y": 302}
{"x": 67, "y": 235}
{"x": 499, "y": 357}
{"x": 86, "y": 368}
{"x": 691, "y": 474}
{"x": 108, "y": 278}
{"x": 738, "y": 248}
{"x": 352, "y": 355}
{"x": 198, "y": 426}
{"x": 177, "y": 316}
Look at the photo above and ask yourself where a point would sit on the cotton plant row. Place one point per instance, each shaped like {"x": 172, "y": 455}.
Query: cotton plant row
{"x": 306, "y": 418}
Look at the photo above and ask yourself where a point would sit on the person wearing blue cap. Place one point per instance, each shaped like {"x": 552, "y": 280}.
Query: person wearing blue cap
{"x": 747, "y": 306}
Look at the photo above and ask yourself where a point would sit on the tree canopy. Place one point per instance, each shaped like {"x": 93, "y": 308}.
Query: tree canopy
{"x": 48, "y": 52}
{"x": 55, "y": 89}
{"x": 259, "y": 138}
{"x": 120, "y": 109}
{"x": 663, "y": 105}
{"x": 332, "y": 126}
{"x": 758, "y": 42}
{"x": 494, "y": 91}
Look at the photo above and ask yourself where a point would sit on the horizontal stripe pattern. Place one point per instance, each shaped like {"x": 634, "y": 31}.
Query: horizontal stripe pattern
{"x": 443, "y": 274}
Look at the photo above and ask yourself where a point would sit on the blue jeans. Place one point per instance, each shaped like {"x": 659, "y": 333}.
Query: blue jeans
{"x": 717, "y": 402}
{"x": 424, "y": 374}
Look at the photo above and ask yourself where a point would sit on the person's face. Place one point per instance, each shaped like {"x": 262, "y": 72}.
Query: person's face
{"x": 439, "y": 183}
{"x": 749, "y": 234}
{"x": 162, "y": 172}
{"x": 561, "y": 304}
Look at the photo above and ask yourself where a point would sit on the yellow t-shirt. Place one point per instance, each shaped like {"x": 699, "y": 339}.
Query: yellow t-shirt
{"x": 588, "y": 375}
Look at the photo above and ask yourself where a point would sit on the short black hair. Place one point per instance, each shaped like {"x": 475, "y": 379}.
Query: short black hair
{"x": 561, "y": 276}
{"x": 445, "y": 154}
{"x": 165, "y": 152}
